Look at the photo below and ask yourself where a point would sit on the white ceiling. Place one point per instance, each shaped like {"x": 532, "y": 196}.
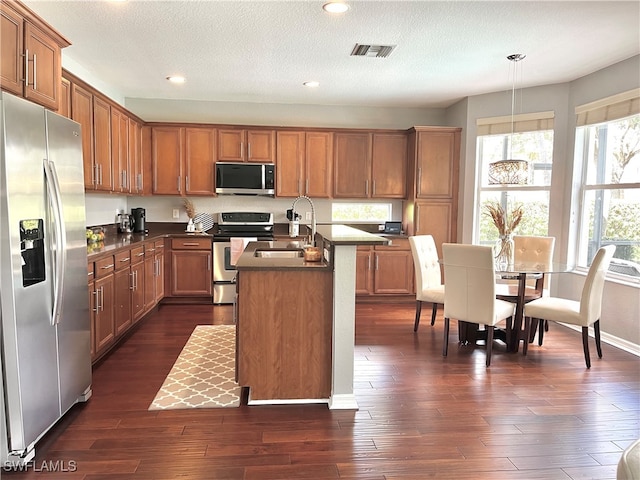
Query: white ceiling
{"x": 262, "y": 51}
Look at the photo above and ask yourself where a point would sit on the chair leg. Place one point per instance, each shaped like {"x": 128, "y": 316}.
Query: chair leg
{"x": 434, "y": 310}
{"x": 418, "y": 310}
{"x": 585, "y": 345}
{"x": 534, "y": 329}
{"x": 445, "y": 347}
{"x": 546, "y": 325}
{"x": 527, "y": 333}
{"x": 596, "y": 331}
{"x": 489, "y": 343}
{"x": 541, "y": 330}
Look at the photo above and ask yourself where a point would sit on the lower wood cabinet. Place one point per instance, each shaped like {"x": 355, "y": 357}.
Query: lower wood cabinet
{"x": 104, "y": 305}
{"x": 385, "y": 269}
{"x": 137, "y": 283}
{"x": 122, "y": 292}
{"x": 190, "y": 261}
{"x": 153, "y": 273}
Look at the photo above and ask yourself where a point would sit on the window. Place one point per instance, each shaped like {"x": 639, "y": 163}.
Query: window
{"x": 532, "y": 141}
{"x": 609, "y": 153}
{"x": 361, "y": 212}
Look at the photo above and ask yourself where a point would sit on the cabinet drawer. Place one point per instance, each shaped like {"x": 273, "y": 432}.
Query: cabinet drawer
{"x": 137, "y": 254}
{"x": 149, "y": 249}
{"x": 104, "y": 266}
{"x": 122, "y": 259}
{"x": 159, "y": 246}
{"x": 396, "y": 244}
{"x": 191, "y": 244}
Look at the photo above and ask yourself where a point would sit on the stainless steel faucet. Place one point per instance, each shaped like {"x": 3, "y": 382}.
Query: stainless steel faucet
{"x": 313, "y": 216}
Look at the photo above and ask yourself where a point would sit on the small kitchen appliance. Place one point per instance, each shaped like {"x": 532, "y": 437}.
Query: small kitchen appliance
{"x": 124, "y": 223}
{"x": 138, "y": 215}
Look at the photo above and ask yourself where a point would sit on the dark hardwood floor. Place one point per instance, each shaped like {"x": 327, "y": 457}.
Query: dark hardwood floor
{"x": 544, "y": 416}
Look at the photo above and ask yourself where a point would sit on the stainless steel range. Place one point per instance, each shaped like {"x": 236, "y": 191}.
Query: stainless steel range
{"x": 240, "y": 226}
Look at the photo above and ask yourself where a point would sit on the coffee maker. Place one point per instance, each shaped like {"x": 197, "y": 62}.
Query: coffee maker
{"x": 138, "y": 219}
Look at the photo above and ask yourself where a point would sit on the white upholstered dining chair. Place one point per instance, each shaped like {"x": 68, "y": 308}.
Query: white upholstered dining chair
{"x": 429, "y": 286}
{"x": 470, "y": 293}
{"x": 583, "y": 312}
{"x": 529, "y": 249}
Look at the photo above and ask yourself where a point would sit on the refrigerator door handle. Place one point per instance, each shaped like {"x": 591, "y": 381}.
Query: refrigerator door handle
{"x": 60, "y": 251}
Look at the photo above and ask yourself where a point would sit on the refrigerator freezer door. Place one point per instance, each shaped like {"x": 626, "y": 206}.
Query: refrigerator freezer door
{"x": 65, "y": 153}
{"x": 29, "y": 341}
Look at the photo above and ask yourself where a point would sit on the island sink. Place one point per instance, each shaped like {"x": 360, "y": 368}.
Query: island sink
{"x": 275, "y": 253}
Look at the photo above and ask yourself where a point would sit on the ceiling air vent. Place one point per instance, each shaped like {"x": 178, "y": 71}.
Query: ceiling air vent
{"x": 382, "y": 51}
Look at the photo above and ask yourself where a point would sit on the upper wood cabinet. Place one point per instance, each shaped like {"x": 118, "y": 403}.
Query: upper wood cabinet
{"x": 82, "y": 112}
{"x": 120, "y": 160}
{"x": 238, "y": 145}
{"x": 65, "y": 98}
{"x": 352, "y": 165}
{"x": 183, "y": 160}
{"x": 136, "y": 169}
{"x": 102, "y": 144}
{"x": 30, "y": 55}
{"x": 304, "y": 164}
{"x": 370, "y": 165}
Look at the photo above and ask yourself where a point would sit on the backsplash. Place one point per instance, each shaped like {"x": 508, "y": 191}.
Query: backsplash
{"x": 101, "y": 209}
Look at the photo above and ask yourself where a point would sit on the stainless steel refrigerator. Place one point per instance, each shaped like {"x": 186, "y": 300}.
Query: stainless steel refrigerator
{"x": 44, "y": 306}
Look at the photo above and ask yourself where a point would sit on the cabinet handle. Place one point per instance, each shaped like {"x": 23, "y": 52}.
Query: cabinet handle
{"x": 190, "y": 244}
{"x": 373, "y": 187}
{"x": 369, "y": 262}
{"x": 96, "y": 302}
{"x": 150, "y": 250}
{"x": 102, "y": 299}
{"x": 106, "y": 267}
{"x": 248, "y": 151}
{"x": 26, "y": 68}
{"x": 35, "y": 64}
{"x": 122, "y": 260}
{"x": 132, "y": 284}
{"x": 186, "y": 179}
{"x": 209, "y": 262}
{"x": 366, "y": 187}
{"x": 377, "y": 258}
{"x": 100, "y": 172}
{"x": 139, "y": 181}
{"x": 141, "y": 254}
{"x": 94, "y": 174}
{"x": 179, "y": 178}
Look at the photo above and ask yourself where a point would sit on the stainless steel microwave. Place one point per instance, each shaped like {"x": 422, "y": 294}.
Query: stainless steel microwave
{"x": 234, "y": 178}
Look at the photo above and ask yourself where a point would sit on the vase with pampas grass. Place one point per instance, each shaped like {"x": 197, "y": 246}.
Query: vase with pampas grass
{"x": 506, "y": 223}
{"x": 191, "y": 212}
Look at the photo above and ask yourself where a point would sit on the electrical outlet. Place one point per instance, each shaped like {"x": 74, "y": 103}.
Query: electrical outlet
{"x": 176, "y": 213}
{"x": 307, "y": 216}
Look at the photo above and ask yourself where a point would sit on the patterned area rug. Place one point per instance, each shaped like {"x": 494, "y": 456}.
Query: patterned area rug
{"x": 203, "y": 375}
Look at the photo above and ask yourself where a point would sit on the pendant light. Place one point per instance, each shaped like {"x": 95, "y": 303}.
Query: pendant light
{"x": 510, "y": 171}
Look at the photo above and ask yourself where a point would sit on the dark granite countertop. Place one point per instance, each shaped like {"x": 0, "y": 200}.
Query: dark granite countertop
{"x": 248, "y": 260}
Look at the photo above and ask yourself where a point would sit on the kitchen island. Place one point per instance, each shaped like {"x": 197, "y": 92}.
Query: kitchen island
{"x": 296, "y": 320}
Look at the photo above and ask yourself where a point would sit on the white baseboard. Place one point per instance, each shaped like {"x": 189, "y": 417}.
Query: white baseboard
{"x": 343, "y": 402}
{"x": 612, "y": 340}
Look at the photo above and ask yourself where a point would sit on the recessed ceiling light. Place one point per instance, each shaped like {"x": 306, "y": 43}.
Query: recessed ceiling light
{"x": 311, "y": 84}
{"x": 176, "y": 79}
{"x": 335, "y": 7}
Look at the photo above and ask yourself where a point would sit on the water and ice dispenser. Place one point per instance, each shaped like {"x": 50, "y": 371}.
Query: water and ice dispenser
{"x": 32, "y": 251}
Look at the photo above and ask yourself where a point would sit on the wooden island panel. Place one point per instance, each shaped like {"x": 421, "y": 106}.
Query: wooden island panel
{"x": 284, "y": 333}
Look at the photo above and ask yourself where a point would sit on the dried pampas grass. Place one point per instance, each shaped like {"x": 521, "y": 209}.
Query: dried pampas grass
{"x": 505, "y": 222}
{"x": 189, "y": 208}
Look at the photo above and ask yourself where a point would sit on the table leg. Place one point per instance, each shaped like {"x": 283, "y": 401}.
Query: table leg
{"x": 517, "y": 333}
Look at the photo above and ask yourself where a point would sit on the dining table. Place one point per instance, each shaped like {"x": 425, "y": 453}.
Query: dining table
{"x": 518, "y": 293}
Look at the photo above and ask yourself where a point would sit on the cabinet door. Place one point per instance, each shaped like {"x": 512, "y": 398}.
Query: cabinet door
{"x": 159, "y": 277}
{"x": 318, "y": 165}
{"x": 135, "y": 158}
{"x": 43, "y": 81}
{"x": 149, "y": 282}
{"x": 200, "y": 147}
{"x": 352, "y": 167}
{"x": 11, "y": 50}
{"x": 120, "y": 150}
{"x": 65, "y": 98}
{"x": 389, "y": 165}
{"x": 122, "y": 300}
{"x": 393, "y": 272}
{"x": 364, "y": 257}
{"x": 146, "y": 159}
{"x": 92, "y": 320}
{"x": 231, "y": 145}
{"x": 437, "y": 164}
{"x": 137, "y": 294}
{"x": 191, "y": 273}
{"x": 261, "y": 146}
{"x": 82, "y": 112}
{"x": 437, "y": 219}
{"x": 166, "y": 154}
{"x": 290, "y": 172}
{"x": 102, "y": 144}
{"x": 105, "y": 314}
